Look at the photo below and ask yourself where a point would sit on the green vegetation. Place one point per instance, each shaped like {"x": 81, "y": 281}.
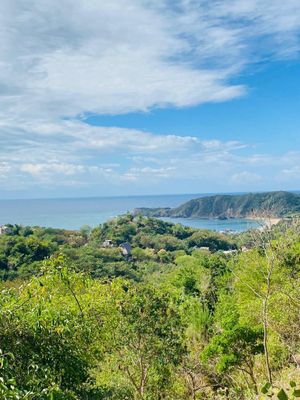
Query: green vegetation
{"x": 179, "y": 317}
{"x": 275, "y": 204}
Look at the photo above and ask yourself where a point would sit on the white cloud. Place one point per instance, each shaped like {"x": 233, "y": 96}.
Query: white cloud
{"x": 51, "y": 169}
{"x": 70, "y": 152}
{"x": 63, "y": 59}
{"x": 290, "y": 174}
{"x": 5, "y": 168}
{"x": 60, "y": 173}
{"x": 66, "y": 138}
{"x": 47, "y": 152}
{"x": 246, "y": 178}
{"x": 149, "y": 173}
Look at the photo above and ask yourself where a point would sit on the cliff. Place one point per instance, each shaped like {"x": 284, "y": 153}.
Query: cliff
{"x": 274, "y": 204}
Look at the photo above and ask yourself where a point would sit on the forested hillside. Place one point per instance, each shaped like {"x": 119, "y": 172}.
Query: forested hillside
{"x": 275, "y": 204}
{"x": 145, "y": 310}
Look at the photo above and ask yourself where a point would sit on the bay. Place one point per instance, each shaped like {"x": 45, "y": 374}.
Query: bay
{"x": 72, "y": 213}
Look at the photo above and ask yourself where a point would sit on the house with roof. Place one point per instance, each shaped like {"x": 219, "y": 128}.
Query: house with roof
{"x": 203, "y": 248}
{"x": 107, "y": 243}
{"x": 126, "y": 249}
{"x": 229, "y": 252}
{"x": 4, "y": 229}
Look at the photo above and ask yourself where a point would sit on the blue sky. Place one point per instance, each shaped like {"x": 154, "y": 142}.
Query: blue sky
{"x": 149, "y": 97}
{"x": 267, "y": 116}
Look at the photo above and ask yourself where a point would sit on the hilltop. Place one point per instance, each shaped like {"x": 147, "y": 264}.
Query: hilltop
{"x": 276, "y": 204}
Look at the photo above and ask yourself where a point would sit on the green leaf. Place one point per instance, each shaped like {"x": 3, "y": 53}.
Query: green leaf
{"x": 296, "y": 393}
{"x": 281, "y": 395}
{"x": 292, "y": 384}
{"x": 266, "y": 388}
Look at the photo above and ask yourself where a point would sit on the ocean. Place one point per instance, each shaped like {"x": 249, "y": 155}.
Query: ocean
{"x": 73, "y": 213}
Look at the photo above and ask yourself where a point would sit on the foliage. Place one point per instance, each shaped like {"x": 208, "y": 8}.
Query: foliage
{"x": 172, "y": 321}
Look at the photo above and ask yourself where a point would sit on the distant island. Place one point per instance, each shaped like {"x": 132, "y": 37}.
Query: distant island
{"x": 273, "y": 204}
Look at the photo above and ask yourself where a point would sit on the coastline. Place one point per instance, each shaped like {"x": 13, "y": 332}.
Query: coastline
{"x": 266, "y": 221}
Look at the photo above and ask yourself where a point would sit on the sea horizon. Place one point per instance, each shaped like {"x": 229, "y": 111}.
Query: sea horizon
{"x": 203, "y": 194}
{"x": 74, "y": 212}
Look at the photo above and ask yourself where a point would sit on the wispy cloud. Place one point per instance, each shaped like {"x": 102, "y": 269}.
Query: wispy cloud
{"x": 62, "y": 59}
{"x": 66, "y": 58}
{"x": 246, "y": 178}
{"x": 72, "y": 153}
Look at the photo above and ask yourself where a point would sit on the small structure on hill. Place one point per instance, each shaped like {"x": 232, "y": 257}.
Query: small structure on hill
{"x": 126, "y": 249}
{"x": 4, "y": 229}
{"x": 204, "y": 248}
{"x": 244, "y": 249}
{"x": 107, "y": 243}
{"x": 229, "y": 251}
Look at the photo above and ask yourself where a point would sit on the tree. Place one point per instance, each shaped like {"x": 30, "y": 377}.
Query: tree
{"x": 145, "y": 343}
{"x": 236, "y": 348}
{"x": 266, "y": 290}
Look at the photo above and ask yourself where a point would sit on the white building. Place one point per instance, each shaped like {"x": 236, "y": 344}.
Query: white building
{"x": 107, "y": 243}
{"x": 5, "y": 229}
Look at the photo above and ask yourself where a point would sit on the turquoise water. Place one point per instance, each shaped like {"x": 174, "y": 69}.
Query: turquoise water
{"x": 236, "y": 224}
{"x": 73, "y": 213}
